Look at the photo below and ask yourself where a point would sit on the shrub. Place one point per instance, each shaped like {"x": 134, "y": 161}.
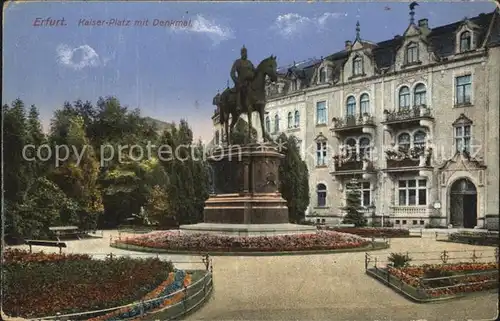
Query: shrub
{"x": 399, "y": 260}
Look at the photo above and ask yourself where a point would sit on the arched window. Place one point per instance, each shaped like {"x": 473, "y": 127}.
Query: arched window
{"x": 290, "y": 120}
{"x": 364, "y": 104}
{"x": 217, "y": 137}
{"x": 350, "y": 148}
{"x": 404, "y": 97}
{"x": 357, "y": 66}
{"x": 322, "y": 75}
{"x": 351, "y": 106}
{"x": 364, "y": 147}
{"x": 465, "y": 41}
{"x": 404, "y": 142}
{"x": 412, "y": 53}
{"x": 419, "y": 95}
{"x": 419, "y": 139}
{"x": 268, "y": 124}
{"x": 321, "y": 193}
{"x": 276, "y": 123}
{"x": 297, "y": 119}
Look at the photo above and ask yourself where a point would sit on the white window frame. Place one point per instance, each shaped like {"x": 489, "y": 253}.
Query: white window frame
{"x": 289, "y": 120}
{"x": 418, "y": 186}
{"x": 460, "y": 40}
{"x": 361, "y": 188}
{"x": 399, "y": 97}
{"x": 470, "y": 84}
{"x": 357, "y": 65}
{"x": 415, "y": 49}
{"x": 353, "y": 105}
{"x": 296, "y": 119}
{"x": 268, "y": 124}
{"x": 462, "y": 138}
{"x": 321, "y": 153}
{"x": 325, "y": 121}
{"x": 421, "y": 93}
{"x": 276, "y": 123}
{"x": 364, "y": 105}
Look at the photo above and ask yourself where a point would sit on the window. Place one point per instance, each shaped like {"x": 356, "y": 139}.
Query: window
{"x": 217, "y": 137}
{"x": 350, "y": 148}
{"x": 419, "y": 95}
{"x": 290, "y": 120}
{"x": 322, "y": 75}
{"x": 463, "y": 89}
{"x": 321, "y": 112}
{"x": 414, "y": 222}
{"x": 404, "y": 98}
{"x": 412, "y": 53}
{"x": 364, "y": 104}
{"x": 323, "y": 220}
{"x": 351, "y": 106}
{"x": 404, "y": 142}
{"x": 297, "y": 119}
{"x": 364, "y": 147}
{"x": 421, "y": 222}
{"x": 357, "y": 66}
{"x": 268, "y": 124}
{"x": 462, "y": 138}
{"x": 412, "y": 192}
{"x": 398, "y": 222}
{"x": 321, "y": 153}
{"x": 465, "y": 41}
{"x": 299, "y": 145}
{"x": 321, "y": 192}
{"x": 419, "y": 139}
{"x": 363, "y": 188}
{"x": 276, "y": 123}
{"x": 404, "y": 222}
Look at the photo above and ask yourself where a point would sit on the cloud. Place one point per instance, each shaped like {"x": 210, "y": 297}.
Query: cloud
{"x": 215, "y": 31}
{"x": 79, "y": 57}
{"x": 291, "y": 24}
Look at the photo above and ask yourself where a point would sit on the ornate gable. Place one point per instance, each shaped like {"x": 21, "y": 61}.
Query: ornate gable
{"x": 462, "y": 120}
{"x": 320, "y": 138}
{"x": 360, "y": 62}
{"x": 467, "y": 32}
{"x": 462, "y": 162}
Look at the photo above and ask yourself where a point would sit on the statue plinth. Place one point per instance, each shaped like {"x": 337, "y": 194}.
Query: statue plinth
{"x": 246, "y": 201}
{"x": 246, "y": 186}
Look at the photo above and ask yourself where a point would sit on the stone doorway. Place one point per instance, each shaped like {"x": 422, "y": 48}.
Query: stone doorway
{"x": 463, "y": 204}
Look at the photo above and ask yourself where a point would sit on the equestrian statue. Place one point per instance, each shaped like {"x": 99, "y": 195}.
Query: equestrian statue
{"x": 248, "y": 95}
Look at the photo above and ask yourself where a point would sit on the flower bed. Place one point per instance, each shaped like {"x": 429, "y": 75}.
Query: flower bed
{"x": 476, "y": 238}
{"x": 472, "y": 277}
{"x": 164, "y": 295}
{"x": 372, "y": 231}
{"x": 178, "y": 241}
{"x": 42, "y": 284}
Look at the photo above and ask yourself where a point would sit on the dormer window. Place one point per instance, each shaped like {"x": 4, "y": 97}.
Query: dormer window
{"x": 412, "y": 53}
{"x": 322, "y": 75}
{"x": 465, "y": 41}
{"x": 294, "y": 85}
{"x": 357, "y": 66}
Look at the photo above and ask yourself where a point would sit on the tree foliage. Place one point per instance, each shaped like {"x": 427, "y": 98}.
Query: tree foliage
{"x": 95, "y": 185}
{"x": 294, "y": 177}
{"x": 353, "y": 206}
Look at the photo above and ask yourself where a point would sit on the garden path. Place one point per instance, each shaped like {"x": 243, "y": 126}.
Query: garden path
{"x": 312, "y": 287}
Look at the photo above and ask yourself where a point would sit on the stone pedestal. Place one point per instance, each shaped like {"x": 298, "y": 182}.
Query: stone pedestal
{"x": 246, "y": 199}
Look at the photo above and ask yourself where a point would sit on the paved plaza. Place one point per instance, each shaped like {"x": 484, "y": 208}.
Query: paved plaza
{"x": 313, "y": 287}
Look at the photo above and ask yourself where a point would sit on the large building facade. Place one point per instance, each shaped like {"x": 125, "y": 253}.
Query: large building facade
{"x": 412, "y": 123}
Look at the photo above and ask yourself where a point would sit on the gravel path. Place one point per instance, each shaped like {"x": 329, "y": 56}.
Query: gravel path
{"x": 313, "y": 287}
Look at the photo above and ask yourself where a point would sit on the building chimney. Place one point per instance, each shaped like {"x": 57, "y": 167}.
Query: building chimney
{"x": 348, "y": 45}
{"x": 423, "y": 23}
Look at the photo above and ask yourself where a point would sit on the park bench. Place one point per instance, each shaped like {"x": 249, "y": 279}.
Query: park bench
{"x": 65, "y": 231}
{"x": 58, "y": 244}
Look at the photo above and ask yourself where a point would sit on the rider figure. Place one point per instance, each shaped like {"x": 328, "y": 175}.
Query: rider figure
{"x": 245, "y": 70}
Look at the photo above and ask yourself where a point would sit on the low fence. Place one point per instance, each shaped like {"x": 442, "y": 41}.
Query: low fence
{"x": 182, "y": 301}
{"x": 423, "y": 289}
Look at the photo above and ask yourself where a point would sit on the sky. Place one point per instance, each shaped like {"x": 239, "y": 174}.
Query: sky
{"x": 174, "y": 72}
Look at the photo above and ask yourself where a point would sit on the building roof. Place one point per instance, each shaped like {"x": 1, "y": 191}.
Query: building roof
{"x": 440, "y": 39}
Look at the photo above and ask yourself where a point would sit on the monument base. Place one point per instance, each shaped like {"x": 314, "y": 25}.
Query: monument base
{"x": 248, "y": 229}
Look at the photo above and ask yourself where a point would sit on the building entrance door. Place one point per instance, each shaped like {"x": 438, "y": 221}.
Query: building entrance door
{"x": 463, "y": 204}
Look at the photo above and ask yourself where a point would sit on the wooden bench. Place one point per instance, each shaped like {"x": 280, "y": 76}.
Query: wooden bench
{"x": 58, "y": 244}
{"x": 65, "y": 230}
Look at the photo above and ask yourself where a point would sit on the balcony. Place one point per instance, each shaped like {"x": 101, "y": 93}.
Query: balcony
{"x": 352, "y": 164}
{"x": 416, "y": 116}
{"x": 413, "y": 158}
{"x": 410, "y": 211}
{"x": 354, "y": 123}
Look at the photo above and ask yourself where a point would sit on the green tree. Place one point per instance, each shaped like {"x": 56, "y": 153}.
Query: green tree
{"x": 294, "y": 179}
{"x": 240, "y": 132}
{"x": 353, "y": 206}
{"x": 158, "y": 207}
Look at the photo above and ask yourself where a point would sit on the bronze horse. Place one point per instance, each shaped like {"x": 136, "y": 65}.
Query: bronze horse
{"x": 256, "y": 100}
